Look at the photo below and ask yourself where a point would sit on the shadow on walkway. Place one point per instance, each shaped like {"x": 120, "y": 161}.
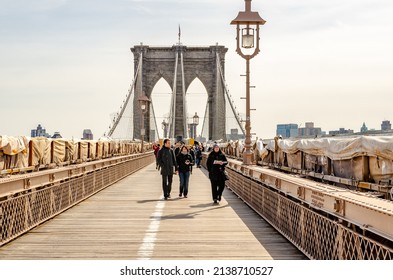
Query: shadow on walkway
{"x": 261, "y": 229}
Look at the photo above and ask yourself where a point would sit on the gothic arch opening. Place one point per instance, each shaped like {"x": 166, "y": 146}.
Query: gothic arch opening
{"x": 197, "y": 97}
{"x": 161, "y": 100}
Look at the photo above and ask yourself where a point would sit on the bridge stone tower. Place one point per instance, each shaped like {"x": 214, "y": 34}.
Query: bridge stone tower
{"x": 179, "y": 65}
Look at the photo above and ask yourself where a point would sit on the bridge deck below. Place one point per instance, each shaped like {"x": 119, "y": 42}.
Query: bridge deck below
{"x": 130, "y": 220}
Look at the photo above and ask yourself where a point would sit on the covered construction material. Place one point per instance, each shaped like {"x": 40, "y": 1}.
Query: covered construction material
{"x": 14, "y": 152}
{"x": 338, "y": 148}
{"x": 19, "y": 153}
{"x": 364, "y": 158}
{"x": 41, "y": 151}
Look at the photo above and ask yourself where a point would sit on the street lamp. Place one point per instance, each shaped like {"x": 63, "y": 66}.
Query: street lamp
{"x": 195, "y": 122}
{"x": 144, "y": 105}
{"x": 248, "y": 22}
{"x": 165, "y": 128}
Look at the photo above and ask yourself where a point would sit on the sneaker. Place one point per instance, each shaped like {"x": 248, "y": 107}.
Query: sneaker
{"x": 215, "y": 201}
{"x": 180, "y": 195}
{"x": 166, "y": 198}
{"x": 185, "y": 196}
{"x": 219, "y": 198}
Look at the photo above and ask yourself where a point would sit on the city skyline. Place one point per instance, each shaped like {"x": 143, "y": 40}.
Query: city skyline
{"x": 292, "y": 130}
{"x": 67, "y": 64}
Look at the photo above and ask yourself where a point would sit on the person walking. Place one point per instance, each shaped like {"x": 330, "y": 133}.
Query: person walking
{"x": 177, "y": 148}
{"x": 216, "y": 163}
{"x": 185, "y": 163}
{"x": 192, "y": 154}
{"x": 167, "y": 161}
{"x": 198, "y": 156}
{"x": 156, "y": 148}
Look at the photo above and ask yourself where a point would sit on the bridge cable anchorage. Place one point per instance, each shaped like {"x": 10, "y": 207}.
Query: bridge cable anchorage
{"x": 231, "y": 102}
{"x": 123, "y": 108}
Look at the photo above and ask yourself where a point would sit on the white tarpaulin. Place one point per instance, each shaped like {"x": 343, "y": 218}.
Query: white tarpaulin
{"x": 13, "y": 145}
{"x": 339, "y": 148}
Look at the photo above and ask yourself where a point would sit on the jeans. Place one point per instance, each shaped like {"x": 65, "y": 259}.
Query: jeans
{"x": 198, "y": 162}
{"x": 184, "y": 178}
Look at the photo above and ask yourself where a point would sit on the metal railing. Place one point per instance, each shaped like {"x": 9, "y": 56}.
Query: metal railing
{"x": 32, "y": 207}
{"x": 316, "y": 235}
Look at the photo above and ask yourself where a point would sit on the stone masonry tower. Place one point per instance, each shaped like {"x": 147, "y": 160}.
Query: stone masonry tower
{"x": 179, "y": 65}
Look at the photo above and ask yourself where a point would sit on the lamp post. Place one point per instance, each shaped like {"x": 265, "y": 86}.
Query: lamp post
{"x": 165, "y": 128}
{"x": 144, "y": 105}
{"x": 248, "y": 22}
{"x": 195, "y": 122}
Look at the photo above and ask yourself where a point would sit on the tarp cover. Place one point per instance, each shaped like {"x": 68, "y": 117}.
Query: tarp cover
{"x": 339, "y": 148}
{"x": 13, "y": 145}
{"x": 41, "y": 151}
{"x": 59, "y": 150}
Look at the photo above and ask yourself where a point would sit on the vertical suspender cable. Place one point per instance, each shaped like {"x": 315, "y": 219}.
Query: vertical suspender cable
{"x": 154, "y": 120}
{"x": 130, "y": 91}
{"x": 230, "y": 101}
{"x": 184, "y": 97}
{"x": 173, "y": 105}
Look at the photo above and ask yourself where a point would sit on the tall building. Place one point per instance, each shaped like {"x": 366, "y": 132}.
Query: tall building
{"x": 234, "y": 135}
{"x": 386, "y": 125}
{"x": 87, "y": 134}
{"x": 287, "y": 130}
{"x": 310, "y": 130}
{"x": 39, "y": 131}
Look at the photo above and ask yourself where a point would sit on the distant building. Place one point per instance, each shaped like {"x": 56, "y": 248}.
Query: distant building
{"x": 87, "y": 134}
{"x": 386, "y": 125}
{"x": 57, "y": 135}
{"x": 309, "y": 130}
{"x": 234, "y": 135}
{"x": 364, "y": 128}
{"x": 341, "y": 131}
{"x": 39, "y": 132}
{"x": 287, "y": 130}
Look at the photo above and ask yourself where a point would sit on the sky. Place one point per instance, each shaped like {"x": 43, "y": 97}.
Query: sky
{"x": 67, "y": 64}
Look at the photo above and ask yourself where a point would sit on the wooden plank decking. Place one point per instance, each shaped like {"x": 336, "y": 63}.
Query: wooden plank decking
{"x": 130, "y": 220}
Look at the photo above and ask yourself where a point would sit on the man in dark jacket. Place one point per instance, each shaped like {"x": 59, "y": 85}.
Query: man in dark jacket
{"x": 167, "y": 161}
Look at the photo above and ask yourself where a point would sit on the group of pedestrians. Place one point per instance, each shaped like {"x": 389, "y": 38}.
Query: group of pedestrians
{"x": 180, "y": 160}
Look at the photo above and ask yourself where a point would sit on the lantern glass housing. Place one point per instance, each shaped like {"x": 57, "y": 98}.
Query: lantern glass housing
{"x": 247, "y": 38}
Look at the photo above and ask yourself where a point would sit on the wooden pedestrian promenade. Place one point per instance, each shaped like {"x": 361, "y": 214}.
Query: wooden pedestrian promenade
{"x": 130, "y": 220}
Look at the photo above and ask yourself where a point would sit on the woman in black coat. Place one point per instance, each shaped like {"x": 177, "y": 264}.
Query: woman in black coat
{"x": 185, "y": 163}
{"x": 216, "y": 166}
